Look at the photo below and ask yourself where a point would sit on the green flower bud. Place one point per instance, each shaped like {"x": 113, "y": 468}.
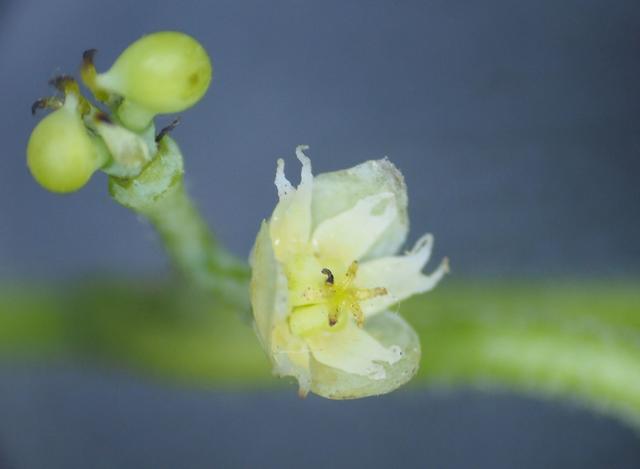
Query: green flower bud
{"x": 164, "y": 72}
{"x": 61, "y": 154}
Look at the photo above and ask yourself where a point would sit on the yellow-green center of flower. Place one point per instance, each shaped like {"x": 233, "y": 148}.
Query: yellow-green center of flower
{"x": 329, "y": 307}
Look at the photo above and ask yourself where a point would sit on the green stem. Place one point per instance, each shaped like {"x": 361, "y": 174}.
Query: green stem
{"x": 194, "y": 249}
{"x": 159, "y": 195}
{"x": 577, "y": 341}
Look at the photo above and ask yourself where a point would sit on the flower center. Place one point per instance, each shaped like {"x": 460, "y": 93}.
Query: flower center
{"x": 328, "y": 308}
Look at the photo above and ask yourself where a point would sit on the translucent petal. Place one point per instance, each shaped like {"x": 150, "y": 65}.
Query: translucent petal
{"x": 283, "y": 185}
{"x": 290, "y": 357}
{"x": 389, "y": 330}
{"x": 401, "y": 275}
{"x": 353, "y": 350}
{"x": 305, "y": 277}
{"x": 350, "y": 234}
{"x": 290, "y": 224}
{"x": 269, "y": 300}
{"x": 338, "y": 191}
{"x": 268, "y": 288}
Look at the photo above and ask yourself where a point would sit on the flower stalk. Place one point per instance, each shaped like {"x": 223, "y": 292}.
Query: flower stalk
{"x": 159, "y": 195}
{"x": 161, "y": 73}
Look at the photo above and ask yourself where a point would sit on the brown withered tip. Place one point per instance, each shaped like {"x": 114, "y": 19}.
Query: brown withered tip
{"x": 165, "y": 130}
{"x": 39, "y": 104}
{"x": 103, "y": 117}
{"x": 61, "y": 81}
{"x": 329, "y": 275}
{"x": 45, "y": 103}
{"x": 88, "y": 55}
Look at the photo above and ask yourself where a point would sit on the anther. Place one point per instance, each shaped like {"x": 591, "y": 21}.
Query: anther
{"x": 329, "y": 275}
{"x": 333, "y": 320}
{"x": 363, "y": 294}
{"x": 358, "y": 314}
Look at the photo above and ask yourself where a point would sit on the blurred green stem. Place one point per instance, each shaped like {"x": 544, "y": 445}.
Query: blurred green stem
{"x": 578, "y": 341}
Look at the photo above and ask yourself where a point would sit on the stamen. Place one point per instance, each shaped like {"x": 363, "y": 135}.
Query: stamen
{"x": 316, "y": 295}
{"x": 329, "y": 275}
{"x": 356, "y": 310}
{"x": 341, "y": 300}
{"x": 333, "y": 317}
{"x": 363, "y": 294}
{"x": 350, "y": 274}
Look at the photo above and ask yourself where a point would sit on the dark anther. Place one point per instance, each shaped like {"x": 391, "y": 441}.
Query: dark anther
{"x": 333, "y": 319}
{"x": 88, "y": 55}
{"x": 61, "y": 81}
{"x": 329, "y": 275}
{"x": 167, "y": 129}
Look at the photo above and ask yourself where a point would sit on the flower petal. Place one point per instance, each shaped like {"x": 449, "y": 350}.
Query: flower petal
{"x": 268, "y": 287}
{"x": 401, "y": 275}
{"x": 389, "y": 331}
{"x": 350, "y": 234}
{"x": 290, "y": 224}
{"x": 353, "y": 350}
{"x": 338, "y": 191}
{"x": 290, "y": 356}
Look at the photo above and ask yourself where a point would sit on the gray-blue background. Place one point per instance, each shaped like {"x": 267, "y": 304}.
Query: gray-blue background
{"x": 515, "y": 123}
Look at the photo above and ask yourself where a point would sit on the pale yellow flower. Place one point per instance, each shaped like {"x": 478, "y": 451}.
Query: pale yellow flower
{"x": 325, "y": 276}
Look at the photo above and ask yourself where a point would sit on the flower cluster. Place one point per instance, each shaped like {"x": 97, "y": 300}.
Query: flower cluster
{"x": 326, "y": 273}
{"x": 161, "y": 73}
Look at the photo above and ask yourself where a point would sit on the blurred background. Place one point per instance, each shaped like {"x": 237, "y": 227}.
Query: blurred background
{"x": 515, "y": 124}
